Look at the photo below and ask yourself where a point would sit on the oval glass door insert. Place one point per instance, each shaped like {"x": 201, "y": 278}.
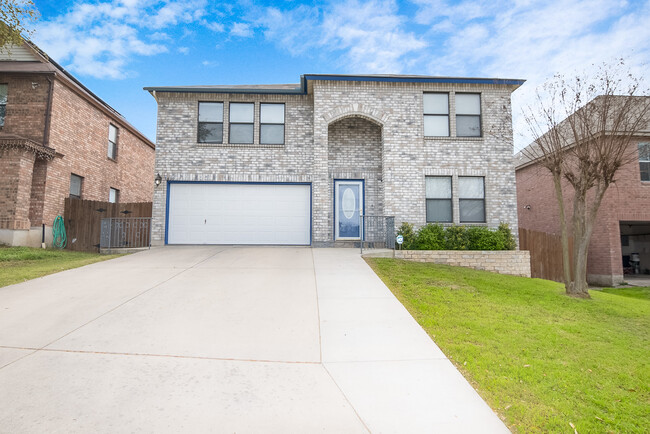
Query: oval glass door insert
{"x": 349, "y": 203}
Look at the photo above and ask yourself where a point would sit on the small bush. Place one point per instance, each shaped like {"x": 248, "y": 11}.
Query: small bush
{"x": 430, "y": 237}
{"x": 436, "y": 237}
{"x": 406, "y": 230}
{"x": 456, "y": 238}
{"x": 509, "y": 239}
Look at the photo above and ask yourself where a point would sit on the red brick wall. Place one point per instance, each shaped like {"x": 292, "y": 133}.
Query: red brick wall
{"x": 79, "y": 131}
{"x": 15, "y": 189}
{"x": 627, "y": 200}
{"x": 37, "y": 199}
{"x": 26, "y": 105}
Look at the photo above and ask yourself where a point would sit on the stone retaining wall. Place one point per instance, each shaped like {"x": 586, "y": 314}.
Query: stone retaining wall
{"x": 513, "y": 262}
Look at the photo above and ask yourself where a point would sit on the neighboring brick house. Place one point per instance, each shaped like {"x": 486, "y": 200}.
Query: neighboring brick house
{"x": 58, "y": 139}
{"x": 622, "y": 226}
{"x": 298, "y": 163}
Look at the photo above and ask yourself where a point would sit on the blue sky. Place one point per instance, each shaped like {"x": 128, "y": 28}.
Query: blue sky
{"x": 118, "y": 47}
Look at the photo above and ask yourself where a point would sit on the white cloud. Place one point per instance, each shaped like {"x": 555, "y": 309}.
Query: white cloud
{"x": 99, "y": 39}
{"x": 242, "y": 30}
{"x": 371, "y": 34}
{"x": 214, "y": 26}
{"x": 184, "y": 50}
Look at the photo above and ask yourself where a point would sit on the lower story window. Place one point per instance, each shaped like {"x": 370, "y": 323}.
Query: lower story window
{"x": 75, "y": 186}
{"x": 114, "y": 195}
{"x": 471, "y": 199}
{"x": 438, "y": 195}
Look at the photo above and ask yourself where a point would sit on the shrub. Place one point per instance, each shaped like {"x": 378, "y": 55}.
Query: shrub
{"x": 406, "y": 231}
{"x": 456, "y": 238}
{"x": 508, "y": 238}
{"x": 430, "y": 237}
{"x": 436, "y": 237}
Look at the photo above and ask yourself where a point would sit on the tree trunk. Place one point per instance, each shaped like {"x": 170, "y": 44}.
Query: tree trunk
{"x": 566, "y": 263}
{"x": 578, "y": 287}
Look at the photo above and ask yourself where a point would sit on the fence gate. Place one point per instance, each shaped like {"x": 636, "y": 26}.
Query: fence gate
{"x": 125, "y": 232}
{"x": 377, "y": 232}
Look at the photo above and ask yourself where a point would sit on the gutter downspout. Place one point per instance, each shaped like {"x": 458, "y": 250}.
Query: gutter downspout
{"x": 48, "y": 113}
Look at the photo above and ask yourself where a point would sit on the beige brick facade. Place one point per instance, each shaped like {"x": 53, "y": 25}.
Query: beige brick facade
{"x": 346, "y": 129}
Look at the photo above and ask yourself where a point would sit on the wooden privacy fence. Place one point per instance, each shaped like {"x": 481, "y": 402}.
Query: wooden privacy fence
{"x": 83, "y": 220}
{"x": 545, "y": 253}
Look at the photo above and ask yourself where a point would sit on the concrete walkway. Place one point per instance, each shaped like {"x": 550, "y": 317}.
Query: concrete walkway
{"x": 224, "y": 339}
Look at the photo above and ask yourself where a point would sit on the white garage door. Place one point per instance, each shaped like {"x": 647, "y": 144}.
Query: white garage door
{"x": 239, "y": 214}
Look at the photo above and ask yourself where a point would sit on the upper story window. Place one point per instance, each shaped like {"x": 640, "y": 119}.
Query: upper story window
{"x": 438, "y": 197}
{"x": 241, "y": 122}
{"x": 468, "y": 115}
{"x": 471, "y": 199}
{"x": 436, "y": 114}
{"x": 210, "y": 129}
{"x": 112, "y": 142}
{"x": 113, "y": 195}
{"x": 271, "y": 124}
{"x": 3, "y": 103}
{"x": 644, "y": 161}
{"x": 75, "y": 185}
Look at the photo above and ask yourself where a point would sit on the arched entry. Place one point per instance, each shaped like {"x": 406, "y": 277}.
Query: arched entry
{"x": 355, "y": 148}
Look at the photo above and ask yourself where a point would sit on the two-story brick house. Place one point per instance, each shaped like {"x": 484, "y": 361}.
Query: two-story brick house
{"x": 58, "y": 139}
{"x": 299, "y": 163}
{"x": 619, "y": 247}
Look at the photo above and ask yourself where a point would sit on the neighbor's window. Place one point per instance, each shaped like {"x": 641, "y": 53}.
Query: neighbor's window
{"x": 644, "y": 161}
{"x": 75, "y": 186}
{"x": 113, "y": 195}
{"x": 112, "y": 142}
{"x": 436, "y": 114}
{"x": 272, "y": 124}
{"x": 3, "y": 103}
{"x": 468, "y": 115}
{"x": 210, "y": 128}
{"x": 241, "y": 122}
{"x": 471, "y": 199}
{"x": 438, "y": 196}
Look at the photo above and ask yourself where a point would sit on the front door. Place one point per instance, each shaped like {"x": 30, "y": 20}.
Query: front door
{"x": 348, "y": 207}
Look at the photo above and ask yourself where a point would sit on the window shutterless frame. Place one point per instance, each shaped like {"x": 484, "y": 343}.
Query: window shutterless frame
{"x": 471, "y": 201}
{"x": 76, "y": 183}
{"x": 644, "y": 161}
{"x": 113, "y": 132}
{"x": 436, "y": 112}
{"x": 3, "y": 103}
{"x": 268, "y": 120}
{"x": 438, "y": 203}
{"x": 241, "y": 120}
{"x": 113, "y": 195}
{"x": 208, "y": 123}
{"x": 463, "y": 115}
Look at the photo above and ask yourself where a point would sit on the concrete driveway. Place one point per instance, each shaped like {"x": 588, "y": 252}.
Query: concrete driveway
{"x": 224, "y": 339}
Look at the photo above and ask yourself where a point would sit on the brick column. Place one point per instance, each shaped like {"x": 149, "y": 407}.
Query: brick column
{"x": 17, "y": 166}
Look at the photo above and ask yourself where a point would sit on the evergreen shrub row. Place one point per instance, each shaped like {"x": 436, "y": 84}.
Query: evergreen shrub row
{"x": 437, "y": 237}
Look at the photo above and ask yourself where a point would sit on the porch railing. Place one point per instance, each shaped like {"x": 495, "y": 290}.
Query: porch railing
{"x": 125, "y": 233}
{"x": 377, "y": 232}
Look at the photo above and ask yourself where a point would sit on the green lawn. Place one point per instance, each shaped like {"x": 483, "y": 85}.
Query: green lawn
{"x": 18, "y": 264}
{"x": 540, "y": 359}
{"x": 634, "y": 292}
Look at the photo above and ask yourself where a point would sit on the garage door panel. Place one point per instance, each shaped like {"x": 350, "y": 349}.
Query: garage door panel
{"x": 239, "y": 214}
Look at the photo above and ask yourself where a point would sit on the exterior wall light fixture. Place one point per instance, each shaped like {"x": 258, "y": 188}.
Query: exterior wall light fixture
{"x": 158, "y": 180}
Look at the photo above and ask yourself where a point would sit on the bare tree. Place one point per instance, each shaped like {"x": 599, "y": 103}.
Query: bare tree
{"x": 16, "y": 18}
{"x": 584, "y": 130}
